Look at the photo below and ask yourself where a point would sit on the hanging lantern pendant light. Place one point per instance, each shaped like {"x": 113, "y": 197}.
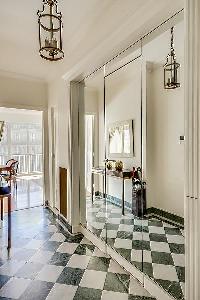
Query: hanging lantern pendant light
{"x": 50, "y": 31}
{"x": 171, "y": 68}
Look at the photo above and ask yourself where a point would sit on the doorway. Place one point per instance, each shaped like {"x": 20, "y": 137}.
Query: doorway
{"x": 22, "y": 141}
{"x": 89, "y": 151}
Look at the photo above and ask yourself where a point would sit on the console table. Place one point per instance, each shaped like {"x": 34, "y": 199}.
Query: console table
{"x": 123, "y": 175}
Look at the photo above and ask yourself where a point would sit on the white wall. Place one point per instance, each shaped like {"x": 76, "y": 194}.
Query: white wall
{"x": 123, "y": 102}
{"x": 165, "y": 155}
{"x": 58, "y": 98}
{"x": 165, "y": 124}
{"x": 20, "y": 116}
{"x": 21, "y": 92}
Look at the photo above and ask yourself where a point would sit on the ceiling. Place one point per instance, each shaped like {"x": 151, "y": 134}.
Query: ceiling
{"x": 89, "y": 25}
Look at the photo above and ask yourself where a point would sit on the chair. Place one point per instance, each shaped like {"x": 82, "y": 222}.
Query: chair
{"x": 14, "y": 164}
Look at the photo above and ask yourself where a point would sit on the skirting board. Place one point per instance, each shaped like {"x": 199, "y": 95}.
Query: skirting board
{"x": 152, "y": 287}
{"x": 63, "y": 221}
{"x": 166, "y": 216}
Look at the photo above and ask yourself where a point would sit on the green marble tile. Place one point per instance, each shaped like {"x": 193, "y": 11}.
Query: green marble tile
{"x": 162, "y": 258}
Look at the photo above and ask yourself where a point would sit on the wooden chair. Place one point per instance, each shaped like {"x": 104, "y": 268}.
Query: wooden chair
{"x": 13, "y": 164}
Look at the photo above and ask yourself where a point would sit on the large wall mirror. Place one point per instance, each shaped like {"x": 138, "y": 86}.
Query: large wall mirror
{"x": 135, "y": 159}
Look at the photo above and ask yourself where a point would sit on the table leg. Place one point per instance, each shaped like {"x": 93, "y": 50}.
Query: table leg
{"x": 9, "y": 222}
{"x": 103, "y": 186}
{"x": 92, "y": 186}
{"x": 123, "y": 196}
{"x": 1, "y": 204}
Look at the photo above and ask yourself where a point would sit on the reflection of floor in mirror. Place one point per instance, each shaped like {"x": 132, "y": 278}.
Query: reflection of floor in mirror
{"x": 46, "y": 262}
{"x": 162, "y": 244}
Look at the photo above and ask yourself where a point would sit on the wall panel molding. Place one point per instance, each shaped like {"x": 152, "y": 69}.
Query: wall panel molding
{"x": 192, "y": 163}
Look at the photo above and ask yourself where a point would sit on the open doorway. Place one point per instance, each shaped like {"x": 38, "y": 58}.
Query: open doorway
{"x": 89, "y": 151}
{"x": 22, "y": 141}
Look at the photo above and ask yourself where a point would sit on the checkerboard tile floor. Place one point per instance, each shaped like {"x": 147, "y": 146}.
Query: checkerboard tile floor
{"x": 153, "y": 246}
{"x": 46, "y": 262}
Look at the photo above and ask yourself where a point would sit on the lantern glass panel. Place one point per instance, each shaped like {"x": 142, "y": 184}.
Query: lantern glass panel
{"x": 50, "y": 24}
{"x": 171, "y": 75}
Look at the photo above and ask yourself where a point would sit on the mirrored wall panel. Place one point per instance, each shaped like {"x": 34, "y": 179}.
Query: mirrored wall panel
{"x": 124, "y": 189}
{"x": 134, "y": 157}
{"x": 165, "y": 260}
{"x": 96, "y": 211}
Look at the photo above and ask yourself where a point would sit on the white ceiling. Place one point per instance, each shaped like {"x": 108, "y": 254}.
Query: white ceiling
{"x": 88, "y": 25}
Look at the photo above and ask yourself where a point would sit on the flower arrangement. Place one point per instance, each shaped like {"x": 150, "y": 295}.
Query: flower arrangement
{"x": 119, "y": 165}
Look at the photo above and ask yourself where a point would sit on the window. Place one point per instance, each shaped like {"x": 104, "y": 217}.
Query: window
{"x": 23, "y": 142}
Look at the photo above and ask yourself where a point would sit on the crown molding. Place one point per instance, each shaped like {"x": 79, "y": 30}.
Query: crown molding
{"x": 19, "y": 76}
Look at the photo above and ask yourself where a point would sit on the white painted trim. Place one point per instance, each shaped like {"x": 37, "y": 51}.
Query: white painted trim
{"x": 95, "y": 240}
{"x": 76, "y": 229}
{"x": 19, "y": 106}
{"x": 21, "y": 76}
{"x": 192, "y": 158}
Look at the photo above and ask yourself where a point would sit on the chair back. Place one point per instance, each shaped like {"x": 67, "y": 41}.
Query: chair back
{"x": 10, "y": 162}
{"x": 14, "y": 164}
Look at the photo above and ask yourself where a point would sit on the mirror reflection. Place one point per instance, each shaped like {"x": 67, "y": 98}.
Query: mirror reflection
{"x": 134, "y": 157}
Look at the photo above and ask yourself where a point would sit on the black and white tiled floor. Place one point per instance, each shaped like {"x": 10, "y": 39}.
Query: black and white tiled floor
{"x": 153, "y": 246}
{"x": 46, "y": 262}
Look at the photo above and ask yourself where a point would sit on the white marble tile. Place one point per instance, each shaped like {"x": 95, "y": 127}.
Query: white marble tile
{"x": 102, "y": 214}
{"x": 62, "y": 292}
{"x": 113, "y": 221}
{"x": 179, "y": 259}
{"x": 11, "y": 267}
{"x": 165, "y": 272}
{"x": 79, "y": 261}
{"x": 99, "y": 253}
{"x": 34, "y": 244}
{"x": 156, "y": 229}
{"x": 140, "y": 222}
{"x": 141, "y": 236}
{"x": 14, "y": 288}
{"x": 67, "y": 247}
{"x": 176, "y": 239}
{"x": 147, "y": 256}
{"x": 52, "y": 228}
{"x": 42, "y": 256}
{"x": 115, "y": 268}
{"x": 97, "y": 225}
{"x": 159, "y": 247}
{"x": 112, "y": 234}
{"x": 136, "y": 288}
{"x": 49, "y": 273}
{"x": 93, "y": 279}
{"x": 85, "y": 241}
{"x": 125, "y": 227}
{"x": 109, "y": 295}
{"x": 58, "y": 237}
{"x": 136, "y": 255}
{"x": 123, "y": 243}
